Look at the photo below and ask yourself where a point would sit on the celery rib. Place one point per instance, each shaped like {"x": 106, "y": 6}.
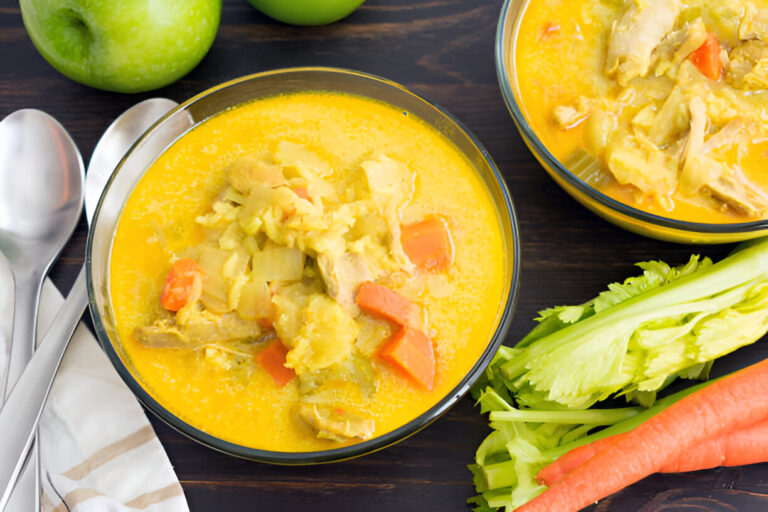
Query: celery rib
{"x": 576, "y": 417}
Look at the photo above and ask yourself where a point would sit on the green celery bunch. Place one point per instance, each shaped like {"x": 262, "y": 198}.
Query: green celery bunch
{"x": 638, "y": 336}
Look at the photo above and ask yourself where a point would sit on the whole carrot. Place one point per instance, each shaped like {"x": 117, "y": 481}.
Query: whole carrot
{"x": 748, "y": 445}
{"x": 571, "y": 460}
{"x": 734, "y": 402}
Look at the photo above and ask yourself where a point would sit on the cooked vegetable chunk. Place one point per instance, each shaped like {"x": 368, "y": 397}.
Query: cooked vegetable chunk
{"x": 428, "y": 243}
{"x": 326, "y": 336}
{"x": 272, "y": 359}
{"x": 183, "y": 284}
{"x": 707, "y": 58}
{"x": 410, "y": 350}
{"x": 382, "y": 302}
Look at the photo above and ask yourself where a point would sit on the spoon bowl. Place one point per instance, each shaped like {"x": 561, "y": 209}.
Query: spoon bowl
{"x": 41, "y": 195}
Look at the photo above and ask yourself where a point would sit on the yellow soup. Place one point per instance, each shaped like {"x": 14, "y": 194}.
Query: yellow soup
{"x": 660, "y": 104}
{"x": 319, "y": 153}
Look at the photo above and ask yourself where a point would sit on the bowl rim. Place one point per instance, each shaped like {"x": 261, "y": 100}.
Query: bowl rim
{"x": 509, "y": 23}
{"x": 355, "y": 450}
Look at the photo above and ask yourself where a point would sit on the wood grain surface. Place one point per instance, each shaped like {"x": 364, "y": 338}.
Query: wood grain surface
{"x": 442, "y": 49}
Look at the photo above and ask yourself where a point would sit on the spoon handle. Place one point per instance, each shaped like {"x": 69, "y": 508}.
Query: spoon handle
{"x": 26, "y": 298}
{"x": 19, "y": 416}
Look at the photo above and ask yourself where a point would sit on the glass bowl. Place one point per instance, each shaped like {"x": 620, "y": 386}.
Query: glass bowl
{"x": 227, "y": 95}
{"x": 625, "y": 216}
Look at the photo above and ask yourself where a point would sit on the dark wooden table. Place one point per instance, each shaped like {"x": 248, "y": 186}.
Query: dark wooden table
{"x": 442, "y": 49}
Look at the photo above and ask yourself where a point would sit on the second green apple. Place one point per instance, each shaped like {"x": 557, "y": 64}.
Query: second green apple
{"x": 306, "y": 12}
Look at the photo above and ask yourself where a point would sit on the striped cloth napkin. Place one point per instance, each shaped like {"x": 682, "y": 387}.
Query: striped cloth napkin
{"x": 98, "y": 451}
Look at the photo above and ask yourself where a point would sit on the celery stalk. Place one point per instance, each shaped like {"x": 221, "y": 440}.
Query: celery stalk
{"x": 589, "y": 417}
{"x": 640, "y": 334}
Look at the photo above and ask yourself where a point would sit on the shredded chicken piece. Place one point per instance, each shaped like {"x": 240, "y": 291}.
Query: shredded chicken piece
{"x": 754, "y": 23}
{"x": 334, "y": 423}
{"x": 701, "y": 172}
{"x": 639, "y": 31}
{"x": 678, "y": 45}
{"x": 162, "y": 334}
{"x": 200, "y": 327}
{"x": 748, "y": 66}
{"x": 733, "y": 188}
{"x": 736, "y": 131}
{"x": 247, "y": 171}
{"x": 343, "y": 274}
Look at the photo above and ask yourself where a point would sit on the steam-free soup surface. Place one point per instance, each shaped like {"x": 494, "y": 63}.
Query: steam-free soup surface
{"x": 660, "y": 104}
{"x": 318, "y": 156}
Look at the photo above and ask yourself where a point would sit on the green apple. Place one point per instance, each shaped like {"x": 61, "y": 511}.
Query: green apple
{"x": 306, "y": 12}
{"x": 122, "y": 45}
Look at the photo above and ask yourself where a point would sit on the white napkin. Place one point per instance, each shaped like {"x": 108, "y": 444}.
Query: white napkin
{"x": 98, "y": 450}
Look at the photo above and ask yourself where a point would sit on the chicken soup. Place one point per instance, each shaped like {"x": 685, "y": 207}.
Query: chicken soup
{"x": 660, "y": 104}
{"x": 307, "y": 271}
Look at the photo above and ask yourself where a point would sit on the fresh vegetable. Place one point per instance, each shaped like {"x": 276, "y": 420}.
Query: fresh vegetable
{"x": 573, "y": 459}
{"x": 738, "y": 448}
{"x": 638, "y": 336}
{"x": 743, "y": 446}
{"x": 736, "y": 401}
{"x": 183, "y": 281}
{"x": 650, "y": 329}
{"x": 380, "y": 301}
{"x": 410, "y": 350}
{"x": 427, "y": 243}
{"x": 707, "y": 58}
{"x": 272, "y": 359}
{"x": 507, "y": 462}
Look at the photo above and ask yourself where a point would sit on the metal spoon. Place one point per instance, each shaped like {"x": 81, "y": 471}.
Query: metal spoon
{"x": 19, "y": 417}
{"x": 41, "y": 196}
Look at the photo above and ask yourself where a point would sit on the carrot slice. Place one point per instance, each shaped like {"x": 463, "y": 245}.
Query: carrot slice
{"x": 410, "y": 350}
{"x": 707, "y": 58}
{"x": 427, "y": 243}
{"x": 272, "y": 359}
{"x": 734, "y": 402}
{"x": 184, "y": 277}
{"x": 382, "y": 302}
